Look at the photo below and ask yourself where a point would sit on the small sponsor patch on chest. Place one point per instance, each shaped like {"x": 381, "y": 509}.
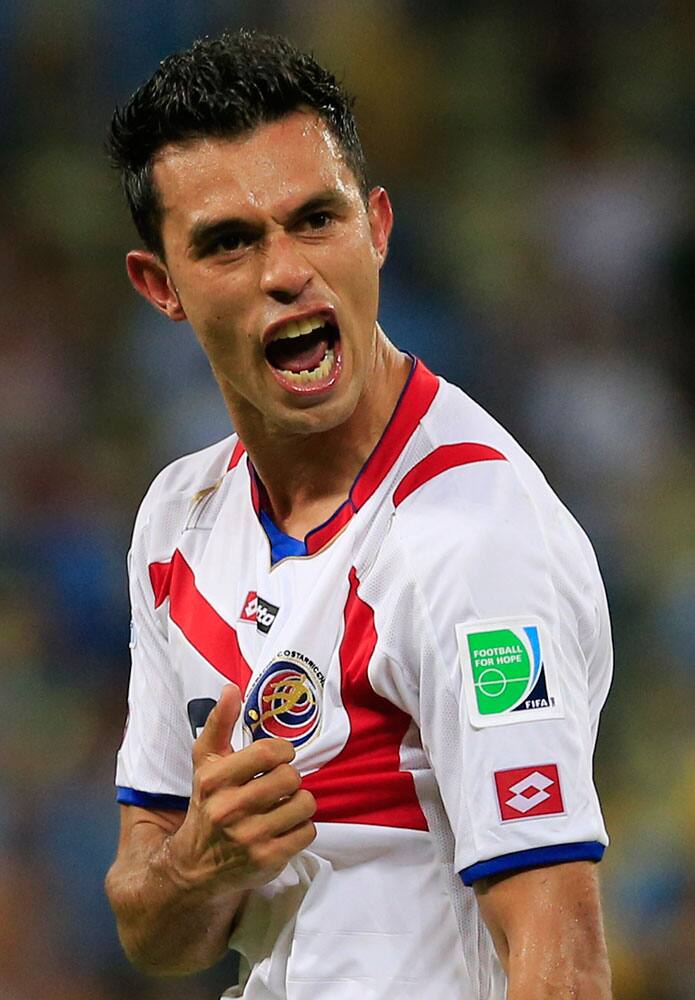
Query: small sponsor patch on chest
{"x": 508, "y": 672}
{"x": 261, "y": 612}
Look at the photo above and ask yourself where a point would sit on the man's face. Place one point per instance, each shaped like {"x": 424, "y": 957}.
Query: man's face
{"x": 274, "y": 259}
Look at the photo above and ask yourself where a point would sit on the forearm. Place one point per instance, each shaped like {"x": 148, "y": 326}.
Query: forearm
{"x": 547, "y": 928}
{"x": 541, "y": 971}
{"x": 167, "y": 924}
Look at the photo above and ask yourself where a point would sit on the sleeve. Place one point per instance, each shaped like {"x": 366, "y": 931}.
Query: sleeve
{"x": 154, "y": 766}
{"x": 513, "y": 665}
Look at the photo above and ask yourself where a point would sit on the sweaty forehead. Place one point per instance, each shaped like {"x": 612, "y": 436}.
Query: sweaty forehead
{"x": 268, "y": 170}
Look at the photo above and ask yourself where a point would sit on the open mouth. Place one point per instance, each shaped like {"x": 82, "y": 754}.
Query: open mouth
{"x": 304, "y": 354}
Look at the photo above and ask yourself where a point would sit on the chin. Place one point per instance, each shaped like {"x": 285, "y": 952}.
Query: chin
{"x": 317, "y": 417}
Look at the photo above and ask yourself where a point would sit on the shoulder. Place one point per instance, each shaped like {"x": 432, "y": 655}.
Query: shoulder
{"x": 175, "y": 490}
{"x": 467, "y": 462}
{"x": 474, "y": 516}
{"x": 478, "y": 540}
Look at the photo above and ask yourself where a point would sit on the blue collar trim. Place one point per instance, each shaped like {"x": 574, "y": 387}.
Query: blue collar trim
{"x": 281, "y": 545}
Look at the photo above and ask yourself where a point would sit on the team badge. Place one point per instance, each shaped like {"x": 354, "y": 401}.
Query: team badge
{"x": 508, "y": 672}
{"x": 286, "y": 700}
{"x": 526, "y": 792}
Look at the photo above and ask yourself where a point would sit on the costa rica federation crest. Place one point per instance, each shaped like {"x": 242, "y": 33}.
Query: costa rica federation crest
{"x": 285, "y": 702}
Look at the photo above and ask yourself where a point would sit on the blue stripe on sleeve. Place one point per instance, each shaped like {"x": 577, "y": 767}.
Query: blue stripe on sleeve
{"x": 554, "y": 854}
{"x": 149, "y": 800}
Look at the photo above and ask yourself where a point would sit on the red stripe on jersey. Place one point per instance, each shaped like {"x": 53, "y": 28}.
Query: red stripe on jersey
{"x": 413, "y": 405}
{"x": 236, "y": 455}
{"x": 255, "y": 490}
{"x": 160, "y": 578}
{"x": 364, "y": 783}
{"x": 415, "y": 400}
{"x": 322, "y": 535}
{"x": 208, "y": 632}
{"x": 447, "y": 456}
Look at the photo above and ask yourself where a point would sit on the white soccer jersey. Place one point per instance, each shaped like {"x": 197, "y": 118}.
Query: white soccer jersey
{"x": 437, "y": 652}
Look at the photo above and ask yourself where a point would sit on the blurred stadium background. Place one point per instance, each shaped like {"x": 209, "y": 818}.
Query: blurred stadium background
{"x": 540, "y": 159}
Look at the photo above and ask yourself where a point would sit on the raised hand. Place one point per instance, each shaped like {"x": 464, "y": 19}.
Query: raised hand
{"x": 248, "y": 815}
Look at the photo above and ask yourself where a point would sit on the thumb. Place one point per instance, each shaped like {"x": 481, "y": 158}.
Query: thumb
{"x": 215, "y": 739}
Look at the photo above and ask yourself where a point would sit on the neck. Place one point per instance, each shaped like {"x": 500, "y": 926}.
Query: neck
{"x": 307, "y": 476}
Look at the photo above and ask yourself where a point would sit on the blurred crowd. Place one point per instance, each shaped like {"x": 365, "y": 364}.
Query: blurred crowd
{"x": 540, "y": 161}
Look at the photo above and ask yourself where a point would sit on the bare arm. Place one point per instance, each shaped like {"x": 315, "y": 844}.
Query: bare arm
{"x": 179, "y": 878}
{"x": 548, "y": 931}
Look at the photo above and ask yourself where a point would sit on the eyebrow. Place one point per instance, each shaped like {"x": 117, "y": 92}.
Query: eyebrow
{"x": 328, "y": 198}
{"x": 205, "y": 232}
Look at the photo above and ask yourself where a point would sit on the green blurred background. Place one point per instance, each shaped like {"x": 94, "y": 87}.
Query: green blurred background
{"x": 540, "y": 161}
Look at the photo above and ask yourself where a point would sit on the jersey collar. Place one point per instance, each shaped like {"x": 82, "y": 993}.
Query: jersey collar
{"x": 414, "y": 402}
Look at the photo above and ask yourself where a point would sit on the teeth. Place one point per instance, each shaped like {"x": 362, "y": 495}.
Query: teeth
{"x": 298, "y": 328}
{"x": 321, "y": 371}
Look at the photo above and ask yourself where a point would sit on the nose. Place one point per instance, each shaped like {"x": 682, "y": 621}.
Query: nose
{"x": 286, "y": 271}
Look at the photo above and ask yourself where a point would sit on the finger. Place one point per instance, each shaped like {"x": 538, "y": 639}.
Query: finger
{"x": 260, "y": 758}
{"x": 287, "y": 844}
{"x": 229, "y": 804}
{"x": 216, "y": 736}
{"x": 297, "y": 809}
{"x": 238, "y": 768}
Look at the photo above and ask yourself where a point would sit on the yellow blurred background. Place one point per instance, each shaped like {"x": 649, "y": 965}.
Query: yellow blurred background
{"x": 540, "y": 161}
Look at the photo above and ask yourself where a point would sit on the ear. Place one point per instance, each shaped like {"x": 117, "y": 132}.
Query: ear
{"x": 150, "y": 277}
{"x": 380, "y": 216}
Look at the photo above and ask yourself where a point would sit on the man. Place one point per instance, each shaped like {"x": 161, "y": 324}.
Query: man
{"x": 369, "y": 644}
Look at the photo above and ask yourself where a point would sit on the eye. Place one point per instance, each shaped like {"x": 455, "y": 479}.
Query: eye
{"x": 318, "y": 220}
{"x": 229, "y": 243}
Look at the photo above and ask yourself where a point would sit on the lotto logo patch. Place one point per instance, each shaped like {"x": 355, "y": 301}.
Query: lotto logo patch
{"x": 255, "y": 609}
{"x": 508, "y": 672}
{"x": 526, "y": 792}
{"x": 248, "y": 611}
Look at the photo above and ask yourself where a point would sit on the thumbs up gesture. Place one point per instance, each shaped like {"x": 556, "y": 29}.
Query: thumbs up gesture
{"x": 248, "y": 815}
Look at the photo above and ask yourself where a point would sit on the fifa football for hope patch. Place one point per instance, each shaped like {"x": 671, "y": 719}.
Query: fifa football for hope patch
{"x": 509, "y": 672}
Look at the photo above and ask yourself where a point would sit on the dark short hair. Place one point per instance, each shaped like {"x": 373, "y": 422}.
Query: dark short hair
{"x": 221, "y": 87}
